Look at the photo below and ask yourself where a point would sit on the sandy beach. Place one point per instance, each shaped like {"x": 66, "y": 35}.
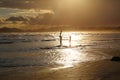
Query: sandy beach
{"x": 99, "y": 70}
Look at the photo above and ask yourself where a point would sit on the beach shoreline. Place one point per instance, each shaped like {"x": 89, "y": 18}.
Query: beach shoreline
{"x": 97, "y": 70}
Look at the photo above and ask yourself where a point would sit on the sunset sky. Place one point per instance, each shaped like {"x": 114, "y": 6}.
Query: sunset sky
{"x": 70, "y": 12}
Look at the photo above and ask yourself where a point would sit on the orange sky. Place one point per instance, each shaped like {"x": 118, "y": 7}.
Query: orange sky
{"x": 75, "y": 12}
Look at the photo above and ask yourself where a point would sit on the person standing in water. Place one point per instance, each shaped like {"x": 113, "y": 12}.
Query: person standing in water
{"x": 60, "y": 38}
{"x": 69, "y": 41}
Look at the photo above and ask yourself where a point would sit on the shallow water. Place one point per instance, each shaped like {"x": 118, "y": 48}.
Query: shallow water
{"x": 41, "y": 49}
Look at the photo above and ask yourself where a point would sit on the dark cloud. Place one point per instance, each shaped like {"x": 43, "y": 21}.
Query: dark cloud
{"x": 27, "y": 4}
{"x": 19, "y": 18}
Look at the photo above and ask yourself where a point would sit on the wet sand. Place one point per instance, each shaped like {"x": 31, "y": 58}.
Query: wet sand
{"x": 99, "y": 70}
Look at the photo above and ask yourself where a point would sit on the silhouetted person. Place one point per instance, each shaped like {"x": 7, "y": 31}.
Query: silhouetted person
{"x": 60, "y": 38}
{"x": 69, "y": 41}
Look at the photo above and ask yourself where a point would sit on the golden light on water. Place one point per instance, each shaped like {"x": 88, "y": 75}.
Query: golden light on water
{"x": 74, "y": 39}
{"x": 69, "y": 58}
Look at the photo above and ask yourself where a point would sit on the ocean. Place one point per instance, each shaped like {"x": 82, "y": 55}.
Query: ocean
{"x": 24, "y": 50}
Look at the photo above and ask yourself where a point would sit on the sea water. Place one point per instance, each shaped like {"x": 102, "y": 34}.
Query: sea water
{"x": 42, "y": 49}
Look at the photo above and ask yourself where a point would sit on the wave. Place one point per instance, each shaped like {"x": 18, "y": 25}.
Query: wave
{"x": 6, "y": 42}
{"x": 49, "y": 40}
{"x": 40, "y": 48}
{"x": 25, "y": 62}
{"x": 22, "y": 65}
{"x": 59, "y": 47}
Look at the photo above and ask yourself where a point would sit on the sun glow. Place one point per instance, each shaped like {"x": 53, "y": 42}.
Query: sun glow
{"x": 73, "y": 2}
{"x": 70, "y": 58}
{"x": 74, "y": 39}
